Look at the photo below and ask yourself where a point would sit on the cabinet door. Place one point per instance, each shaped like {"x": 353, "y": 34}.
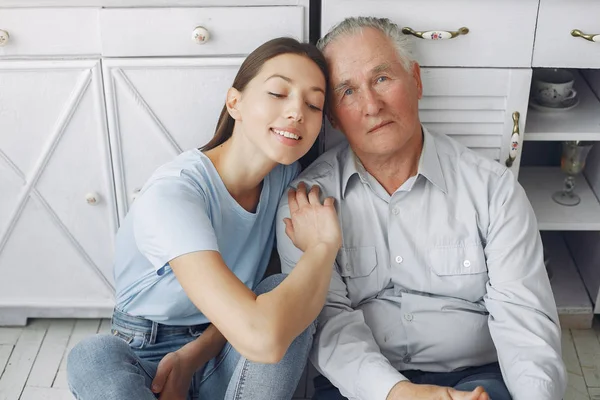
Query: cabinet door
{"x": 158, "y": 108}
{"x": 57, "y": 207}
{"x": 474, "y": 106}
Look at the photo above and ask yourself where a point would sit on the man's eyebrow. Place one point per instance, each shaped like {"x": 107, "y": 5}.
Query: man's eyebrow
{"x": 376, "y": 70}
{"x": 341, "y": 86}
{"x": 290, "y": 80}
{"x": 381, "y": 68}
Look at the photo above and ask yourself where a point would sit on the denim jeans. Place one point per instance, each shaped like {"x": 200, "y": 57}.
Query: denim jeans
{"x": 488, "y": 376}
{"x": 122, "y": 366}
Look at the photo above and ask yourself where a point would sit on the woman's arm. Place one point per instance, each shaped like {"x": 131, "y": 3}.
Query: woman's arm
{"x": 262, "y": 328}
{"x": 206, "y": 347}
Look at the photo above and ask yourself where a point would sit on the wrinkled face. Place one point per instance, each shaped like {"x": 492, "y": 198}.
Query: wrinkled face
{"x": 374, "y": 99}
{"x": 281, "y": 109}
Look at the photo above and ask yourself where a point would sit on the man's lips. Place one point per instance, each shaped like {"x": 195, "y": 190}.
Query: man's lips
{"x": 380, "y": 125}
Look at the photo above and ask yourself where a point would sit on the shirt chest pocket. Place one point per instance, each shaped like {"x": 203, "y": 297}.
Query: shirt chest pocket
{"x": 458, "y": 271}
{"x": 357, "y": 265}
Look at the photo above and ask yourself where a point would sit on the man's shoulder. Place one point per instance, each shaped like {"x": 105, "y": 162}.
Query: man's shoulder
{"x": 327, "y": 169}
{"x": 453, "y": 153}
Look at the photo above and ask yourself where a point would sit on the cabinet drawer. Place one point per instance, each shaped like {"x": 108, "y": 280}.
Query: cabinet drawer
{"x": 50, "y": 31}
{"x": 554, "y": 44}
{"x": 169, "y": 31}
{"x": 500, "y": 33}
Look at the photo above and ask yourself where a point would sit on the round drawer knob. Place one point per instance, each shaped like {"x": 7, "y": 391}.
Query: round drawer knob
{"x": 200, "y": 35}
{"x": 92, "y": 198}
{"x": 4, "y": 36}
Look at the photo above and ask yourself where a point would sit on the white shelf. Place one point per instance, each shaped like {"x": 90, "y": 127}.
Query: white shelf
{"x": 579, "y": 123}
{"x": 541, "y": 182}
{"x": 572, "y": 301}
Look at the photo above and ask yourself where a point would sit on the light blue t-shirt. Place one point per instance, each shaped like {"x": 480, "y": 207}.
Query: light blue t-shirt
{"x": 185, "y": 207}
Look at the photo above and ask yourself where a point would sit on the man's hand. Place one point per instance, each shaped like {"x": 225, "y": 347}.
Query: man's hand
{"x": 406, "y": 390}
{"x": 173, "y": 377}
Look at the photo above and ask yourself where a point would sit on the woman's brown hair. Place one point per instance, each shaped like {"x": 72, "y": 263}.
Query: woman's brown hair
{"x": 251, "y": 67}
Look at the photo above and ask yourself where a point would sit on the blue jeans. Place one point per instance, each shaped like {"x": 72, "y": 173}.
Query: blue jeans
{"x": 488, "y": 376}
{"x": 122, "y": 366}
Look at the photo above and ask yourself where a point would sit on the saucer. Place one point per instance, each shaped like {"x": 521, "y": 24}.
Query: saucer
{"x": 565, "y": 106}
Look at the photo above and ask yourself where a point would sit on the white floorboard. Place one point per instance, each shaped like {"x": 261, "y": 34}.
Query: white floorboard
{"x": 33, "y": 359}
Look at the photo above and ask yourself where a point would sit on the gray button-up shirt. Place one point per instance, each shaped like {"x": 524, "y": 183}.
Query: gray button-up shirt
{"x": 444, "y": 274}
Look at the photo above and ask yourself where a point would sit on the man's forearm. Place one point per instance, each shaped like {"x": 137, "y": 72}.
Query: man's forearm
{"x": 204, "y": 348}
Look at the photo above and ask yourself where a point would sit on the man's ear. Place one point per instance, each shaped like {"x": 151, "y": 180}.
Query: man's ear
{"x": 416, "y": 72}
{"x": 232, "y": 102}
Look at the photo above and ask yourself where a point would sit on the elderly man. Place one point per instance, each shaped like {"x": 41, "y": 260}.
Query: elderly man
{"x": 440, "y": 287}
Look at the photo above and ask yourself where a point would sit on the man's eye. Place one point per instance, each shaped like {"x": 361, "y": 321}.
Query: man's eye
{"x": 277, "y": 95}
{"x": 382, "y": 79}
{"x": 348, "y": 92}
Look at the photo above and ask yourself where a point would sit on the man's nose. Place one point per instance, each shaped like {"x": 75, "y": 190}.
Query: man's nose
{"x": 372, "y": 104}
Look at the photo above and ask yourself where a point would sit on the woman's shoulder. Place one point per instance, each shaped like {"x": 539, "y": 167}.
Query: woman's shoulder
{"x": 189, "y": 169}
{"x": 286, "y": 173}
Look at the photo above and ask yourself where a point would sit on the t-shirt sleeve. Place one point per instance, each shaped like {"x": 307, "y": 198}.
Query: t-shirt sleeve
{"x": 292, "y": 173}
{"x": 170, "y": 219}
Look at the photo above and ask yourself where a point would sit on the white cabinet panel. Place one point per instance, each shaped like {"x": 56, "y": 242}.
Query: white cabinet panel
{"x": 500, "y": 33}
{"x": 158, "y": 108}
{"x": 168, "y": 31}
{"x": 50, "y": 32}
{"x": 555, "y": 46}
{"x": 55, "y": 247}
{"x": 474, "y": 106}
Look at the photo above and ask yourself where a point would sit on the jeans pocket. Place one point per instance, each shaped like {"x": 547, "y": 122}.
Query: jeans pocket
{"x": 135, "y": 340}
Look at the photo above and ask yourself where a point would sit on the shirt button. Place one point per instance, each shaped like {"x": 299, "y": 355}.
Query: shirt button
{"x": 408, "y": 317}
{"x": 406, "y": 359}
{"x": 395, "y": 211}
{"x": 467, "y": 263}
{"x": 399, "y": 259}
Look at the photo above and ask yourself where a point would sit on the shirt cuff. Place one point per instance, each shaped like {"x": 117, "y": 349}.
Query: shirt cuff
{"x": 376, "y": 382}
{"x": 535, "y": 389}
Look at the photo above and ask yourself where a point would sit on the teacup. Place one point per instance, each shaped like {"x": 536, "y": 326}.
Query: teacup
{"x": 553, "y": 87}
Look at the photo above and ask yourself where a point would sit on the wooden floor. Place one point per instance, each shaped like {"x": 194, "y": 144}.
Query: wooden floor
{"x": 32, "y": 359}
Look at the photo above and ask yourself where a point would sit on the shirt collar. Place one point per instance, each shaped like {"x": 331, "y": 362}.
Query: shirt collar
{"x": 349, "y": 169}
{"x": 429, "y": 164}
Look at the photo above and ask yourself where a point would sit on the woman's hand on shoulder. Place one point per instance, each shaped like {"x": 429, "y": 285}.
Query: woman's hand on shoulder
{"x": 312, "y": 223}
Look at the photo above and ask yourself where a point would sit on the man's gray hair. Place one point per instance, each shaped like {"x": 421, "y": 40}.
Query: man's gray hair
{"x": 353, "y": 25}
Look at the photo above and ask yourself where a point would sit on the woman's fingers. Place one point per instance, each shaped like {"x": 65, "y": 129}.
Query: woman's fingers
{"x": 329, "y": 202}
{"x": 301, "y": 196}
{"x": 313, "y": 195}
{"x": 292, "y": 203}
{"x": 289, "y": 228}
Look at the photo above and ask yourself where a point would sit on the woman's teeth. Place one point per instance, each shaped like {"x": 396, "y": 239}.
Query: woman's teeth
{"x": 286, "y": 134}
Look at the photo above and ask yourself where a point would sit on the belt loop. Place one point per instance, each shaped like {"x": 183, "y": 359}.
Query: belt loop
{"x": 153, "y": 332}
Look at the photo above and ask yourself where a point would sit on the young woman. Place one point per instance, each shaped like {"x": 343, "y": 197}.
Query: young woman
{"x": 196, "y": 243}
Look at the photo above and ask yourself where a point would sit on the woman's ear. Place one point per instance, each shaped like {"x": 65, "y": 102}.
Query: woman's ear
{"x": 233, "y": 102}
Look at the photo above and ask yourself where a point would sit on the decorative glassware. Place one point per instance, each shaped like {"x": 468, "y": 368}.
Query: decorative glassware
{"x": 572, "y": 162}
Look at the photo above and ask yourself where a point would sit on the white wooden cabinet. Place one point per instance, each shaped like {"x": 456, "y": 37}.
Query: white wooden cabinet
{"x": 94, "y": 96}
{"x": 57, "y": 209}
{"x": 156, "y": 109}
